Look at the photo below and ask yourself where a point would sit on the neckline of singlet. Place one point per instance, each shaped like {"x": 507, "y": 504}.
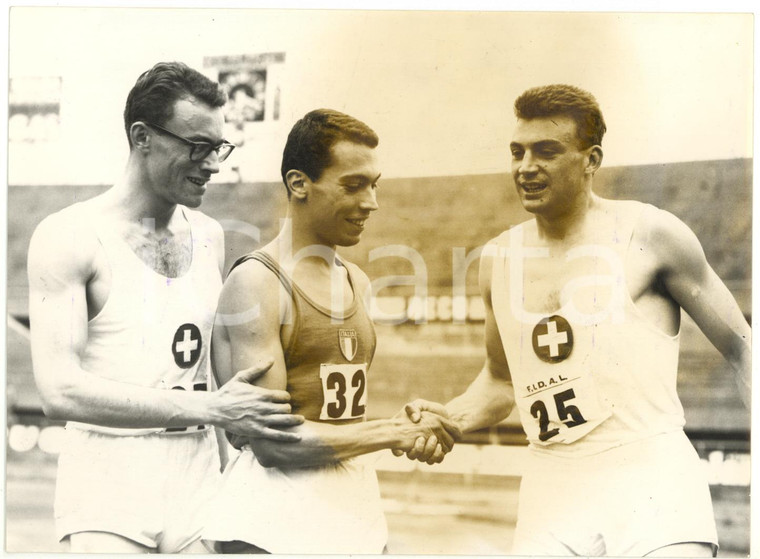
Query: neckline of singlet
{"x": 193, "y": 253}
{"x": 292, "y": 286}
{"x": 629, "y": 302}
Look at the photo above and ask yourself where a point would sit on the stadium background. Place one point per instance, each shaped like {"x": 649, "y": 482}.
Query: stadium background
{"x": 443, "y": 210}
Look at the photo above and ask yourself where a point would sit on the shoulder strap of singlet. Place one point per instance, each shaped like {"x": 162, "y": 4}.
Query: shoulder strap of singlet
{"x": 291, "y": 286}
{"x": 270, "y": 264}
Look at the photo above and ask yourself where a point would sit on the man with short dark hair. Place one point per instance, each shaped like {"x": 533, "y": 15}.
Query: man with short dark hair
{"x": 583, "y": 313}
{"x": 123, "y": 291}
{"x": 298, "y": 300}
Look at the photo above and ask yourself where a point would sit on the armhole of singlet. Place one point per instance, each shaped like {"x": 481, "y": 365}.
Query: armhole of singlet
{"x": 109, "y": 249}
{"x": 640, "y": 214}
{"x": 356, "y": 300}
{"x": 293, "y": 289}
{"x": 269, "y": 262}
{"x": 202, "y": 253}
{"x": 195, "y": 235}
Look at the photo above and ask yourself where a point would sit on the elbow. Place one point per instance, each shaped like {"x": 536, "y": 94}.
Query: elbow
{"x": 56, "y": 402}
{"x": 268, "y": 454}
{"x": 55, "y": 408}
{"x": 268, "y": 461}
{"x": 285, "y": 456}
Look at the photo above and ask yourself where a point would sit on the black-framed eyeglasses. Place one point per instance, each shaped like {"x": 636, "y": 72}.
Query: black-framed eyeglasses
{"x": 199, "y": 150}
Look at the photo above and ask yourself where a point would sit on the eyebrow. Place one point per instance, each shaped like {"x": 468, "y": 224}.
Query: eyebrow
{"x": 361, "y": 176}
{"x": 199, "y": 137}
{"x": 206, "y": 140}
{"x": 540, "y": 144}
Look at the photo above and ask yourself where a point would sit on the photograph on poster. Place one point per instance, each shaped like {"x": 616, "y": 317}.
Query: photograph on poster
{"x": 501, "y": 264}
{"x": 246, "y": 81}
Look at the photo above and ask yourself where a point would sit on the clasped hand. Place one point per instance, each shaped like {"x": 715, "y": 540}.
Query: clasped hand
{"x": 435, "y": 432}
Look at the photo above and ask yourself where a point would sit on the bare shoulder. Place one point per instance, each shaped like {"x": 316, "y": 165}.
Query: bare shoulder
{"x": 495, "y": 248}
{"x": 661, "y": 226}
{"x": 64, "y": 243}
{"x": 253, "y": 290}
{"x": 667, "y": 238}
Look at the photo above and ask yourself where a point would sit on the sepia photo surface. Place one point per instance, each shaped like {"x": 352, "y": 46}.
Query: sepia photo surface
{"x": 438, "y": 87}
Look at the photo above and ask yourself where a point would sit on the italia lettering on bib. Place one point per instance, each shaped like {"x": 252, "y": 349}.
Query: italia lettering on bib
{"x": 344, "y": 387}
{"x": 348, "y": 341}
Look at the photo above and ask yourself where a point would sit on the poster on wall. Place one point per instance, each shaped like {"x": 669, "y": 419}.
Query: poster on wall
{"x": 252, "y": 85}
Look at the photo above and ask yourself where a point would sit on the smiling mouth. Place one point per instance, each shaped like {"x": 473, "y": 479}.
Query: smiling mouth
{"x": 196, "y": 181}
{"x": 533, "y": 187}
{"x": 357, "y": 222}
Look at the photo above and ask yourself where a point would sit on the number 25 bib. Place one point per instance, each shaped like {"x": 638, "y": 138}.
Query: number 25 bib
{"x": 561, "y": 410}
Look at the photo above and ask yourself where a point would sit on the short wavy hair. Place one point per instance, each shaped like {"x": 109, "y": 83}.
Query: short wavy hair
{"x": 308, "y": 148}
{"x": 152, "y": 97}
{"x": 567, "y": 100}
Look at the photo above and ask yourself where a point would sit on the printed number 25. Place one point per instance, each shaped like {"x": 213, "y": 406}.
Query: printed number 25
{"x": 337, "y": 382}
{"x": 539, "y": 411}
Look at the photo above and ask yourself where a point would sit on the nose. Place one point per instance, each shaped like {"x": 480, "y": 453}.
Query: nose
{"x": 527, "y": 164}
{"x": 211, "y": 162}
{"x": 369, "y": 200}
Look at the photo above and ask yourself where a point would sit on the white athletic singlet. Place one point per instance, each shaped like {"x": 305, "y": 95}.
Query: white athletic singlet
{"x": 153, "y": 330}
{"x": 594, "y": 373}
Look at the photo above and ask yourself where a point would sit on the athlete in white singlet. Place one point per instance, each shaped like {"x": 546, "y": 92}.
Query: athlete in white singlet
{"x": 297, "y": 300}
{"x": 123, "y": 293}
{"x": 583, "y": 310}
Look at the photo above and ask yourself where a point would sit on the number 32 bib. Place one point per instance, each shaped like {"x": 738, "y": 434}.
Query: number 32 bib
{"x": 344, "y": 388}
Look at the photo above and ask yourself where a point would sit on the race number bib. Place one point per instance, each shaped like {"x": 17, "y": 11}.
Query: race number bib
{"x": 561, "y": 410}
{"x": 344, "y": 388}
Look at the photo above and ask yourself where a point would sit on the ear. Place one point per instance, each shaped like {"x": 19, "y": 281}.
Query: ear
{"x": 140, "y": 136}
{"x": 595, "y": 157}
{"x": 297, "y": 182}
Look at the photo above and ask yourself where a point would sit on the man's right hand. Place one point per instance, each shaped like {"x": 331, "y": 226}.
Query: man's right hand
{"x": 427, "y": 449}
{"x": 254, "y": 412}
{"x": 433, "y": 434}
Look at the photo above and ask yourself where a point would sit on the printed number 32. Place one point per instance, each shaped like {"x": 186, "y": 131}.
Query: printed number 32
{"x": 337, "y": 381}
{"x": 539, "y": 411}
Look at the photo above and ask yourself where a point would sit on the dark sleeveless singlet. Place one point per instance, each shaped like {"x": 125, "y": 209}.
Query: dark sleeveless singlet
{"x": 328, "y": 354}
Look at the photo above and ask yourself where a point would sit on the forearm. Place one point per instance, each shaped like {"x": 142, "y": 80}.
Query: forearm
{"x": 485, "y": 402}
{"x": 742, "y": 366}
{"x": 88, "y": 398}
{"x": 324, "y": 443}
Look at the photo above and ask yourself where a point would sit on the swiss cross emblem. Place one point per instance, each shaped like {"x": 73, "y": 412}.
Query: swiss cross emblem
{"x": 348, "y": 342}
{"x": 553, "y": 339}
{"x": 186, "y": 345}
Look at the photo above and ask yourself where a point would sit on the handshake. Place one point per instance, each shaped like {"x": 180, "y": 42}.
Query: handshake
{"x": 428, "y": 431}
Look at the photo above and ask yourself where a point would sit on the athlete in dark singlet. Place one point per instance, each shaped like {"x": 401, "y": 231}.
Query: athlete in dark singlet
{"x": 297, "y": 300}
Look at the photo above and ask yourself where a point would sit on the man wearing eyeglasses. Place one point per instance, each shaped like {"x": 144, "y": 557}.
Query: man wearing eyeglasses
{"x": 123, "y": 292}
